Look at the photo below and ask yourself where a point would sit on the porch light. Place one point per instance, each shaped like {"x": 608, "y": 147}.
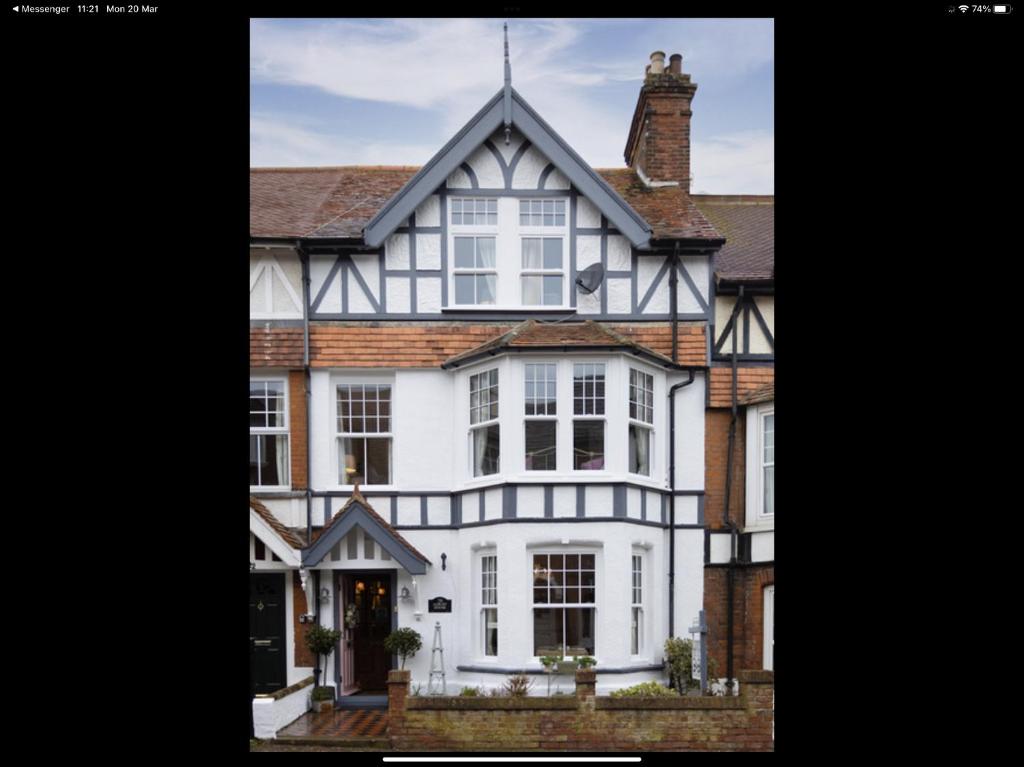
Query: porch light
{"x": 360, "y": 587}
{"x": 325, "y": 595}
{"x": 405, "y": 593}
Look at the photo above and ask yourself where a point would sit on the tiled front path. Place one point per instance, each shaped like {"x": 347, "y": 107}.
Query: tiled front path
{"x": 351, "y": 728}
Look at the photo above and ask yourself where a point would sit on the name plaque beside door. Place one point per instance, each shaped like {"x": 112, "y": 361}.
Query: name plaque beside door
{"x": 440, "y": 605}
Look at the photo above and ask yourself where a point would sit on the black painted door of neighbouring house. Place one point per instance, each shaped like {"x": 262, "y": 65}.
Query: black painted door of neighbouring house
{"x": 266, "y": 632}
{"x": 371, "y": 594}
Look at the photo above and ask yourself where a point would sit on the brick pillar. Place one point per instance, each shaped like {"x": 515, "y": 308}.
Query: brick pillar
{"x": 586, "y": 687}
{"x": 398, "y": 691}
{"x": 757, "y": 691}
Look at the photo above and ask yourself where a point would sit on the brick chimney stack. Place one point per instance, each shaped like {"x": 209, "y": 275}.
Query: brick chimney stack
{"x": 658, "y": 147}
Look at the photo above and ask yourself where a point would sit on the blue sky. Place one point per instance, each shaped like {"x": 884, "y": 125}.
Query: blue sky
{"x": 393, "y": 91}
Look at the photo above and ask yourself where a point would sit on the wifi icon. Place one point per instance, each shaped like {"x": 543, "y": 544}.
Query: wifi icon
{"x": 963, "y": 8}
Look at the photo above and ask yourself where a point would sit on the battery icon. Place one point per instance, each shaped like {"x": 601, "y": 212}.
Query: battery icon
{"x": 1000, "y": 9}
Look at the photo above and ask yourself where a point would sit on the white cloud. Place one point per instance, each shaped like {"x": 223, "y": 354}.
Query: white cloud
{"x": 737, "y": 163}
{"x": 276, "y": 141}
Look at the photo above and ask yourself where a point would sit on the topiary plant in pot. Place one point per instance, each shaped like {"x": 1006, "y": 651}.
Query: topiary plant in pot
{"x": 404, "y": 643}
{"x": 322, "y": 641}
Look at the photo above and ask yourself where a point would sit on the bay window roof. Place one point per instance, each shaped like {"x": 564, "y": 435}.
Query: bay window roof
{"x": 532, "y": 335}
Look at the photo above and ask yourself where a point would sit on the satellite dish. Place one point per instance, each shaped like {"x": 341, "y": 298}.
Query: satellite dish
{"x": 590, "y": 278}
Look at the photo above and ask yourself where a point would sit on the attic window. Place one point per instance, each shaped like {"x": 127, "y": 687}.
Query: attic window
{"x": 474, "y": 212}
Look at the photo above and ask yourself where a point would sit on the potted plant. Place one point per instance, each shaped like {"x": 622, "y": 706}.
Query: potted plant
{"x": 404, "y": 643}
{"x": 322, "y": 641}
{"x": 551, "y": 664}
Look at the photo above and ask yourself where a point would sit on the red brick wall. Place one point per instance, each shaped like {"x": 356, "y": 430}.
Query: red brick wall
{"x": 585, "y": 722}
{"x": 662, "y": 144}
{"x": 303, "y": 656}
{"x": 748, "y": 614}
{"x": 297, "y": 425}
{"x": 716, "y": 452}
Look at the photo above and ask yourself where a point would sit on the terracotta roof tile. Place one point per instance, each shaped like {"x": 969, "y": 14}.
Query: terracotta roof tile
{"x": 428, "y": 345}
{"x": 288, "y": 535}
{"x": 357, "y": 497}
{"x": 554, "y": 335}
{"x": 339, "y": 202}
{"x": 748, "y": 224}
{"x": 748, "y": 381}
{"x": 761, "y": 394}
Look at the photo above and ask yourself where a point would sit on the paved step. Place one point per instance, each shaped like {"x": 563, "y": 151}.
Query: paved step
{"x": 352, "y": 744}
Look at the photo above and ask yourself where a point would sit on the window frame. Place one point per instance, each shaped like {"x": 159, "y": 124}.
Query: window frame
{"x": 339, "y": 436}
{"x": 283, "y": 379}
{"x": 575, "y": 417}
{"x": 475, "y": 231}
{"x": 542, "y": 232}
{"x": 636, "y": 606}
{"x": 494, "y": 421}
{"x": 563, "y": 606}
{"x": 648, "y": 426}
{"x": 486, "y": 606}
{"x": 545, "y": 417}
{"x": 755, "y": 513}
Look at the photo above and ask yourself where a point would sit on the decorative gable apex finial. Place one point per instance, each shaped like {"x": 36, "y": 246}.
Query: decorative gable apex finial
{"x": 508, "y": 92}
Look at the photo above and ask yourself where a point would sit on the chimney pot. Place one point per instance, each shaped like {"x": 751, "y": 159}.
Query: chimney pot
{"x": 657, "y": 62}
{"x": 675, "y": 64}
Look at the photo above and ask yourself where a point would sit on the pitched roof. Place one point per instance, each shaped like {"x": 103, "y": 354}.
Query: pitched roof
{"x": 668, "y": 209}
{"x": 531, "y": 335}
{"x": 765, "y": 393}
{"x": 514, "y": 111}
{"x": 320, "y": 202}
{"x": 338, "y": 202}
{"x": 357, "y": 501}
{"x": 748, "y": 224}
{"x": 287, "y": 535}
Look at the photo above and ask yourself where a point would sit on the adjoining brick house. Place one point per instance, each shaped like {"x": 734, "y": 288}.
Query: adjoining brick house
{"x": 462, "y": 377}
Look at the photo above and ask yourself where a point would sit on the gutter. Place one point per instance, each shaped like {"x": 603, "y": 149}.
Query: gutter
{"x": 660, "y": 361}
{"x": 672, "y": 500}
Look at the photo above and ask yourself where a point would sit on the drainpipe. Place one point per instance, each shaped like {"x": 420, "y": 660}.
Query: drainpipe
{"x": 304, "y": 258}
{"x": 733, "y": 528}
{"x": 672, "y": 502}
{"x": 316, "y": 598}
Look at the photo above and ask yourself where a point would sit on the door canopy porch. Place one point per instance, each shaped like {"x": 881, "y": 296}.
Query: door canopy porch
{"x": 357, "y": 512}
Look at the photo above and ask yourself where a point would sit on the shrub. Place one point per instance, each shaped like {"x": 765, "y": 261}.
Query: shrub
{"x": 679, "y": 662}
{"x": 644, "y": 690}
{"x": 585, "y": 661}
{"x": 323, "y": 693}
{"x": 404, "y": 643}
{"x": 518, "y": 685}
{"x": 470, "y": 692}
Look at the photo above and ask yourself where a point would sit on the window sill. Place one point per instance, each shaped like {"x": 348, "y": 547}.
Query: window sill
{"x": 473, "y": 309}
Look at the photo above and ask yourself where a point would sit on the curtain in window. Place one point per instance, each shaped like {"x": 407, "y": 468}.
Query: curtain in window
{"x": 641, "y": 446}
{"x": 479, "y": 451}
{"x": 282, "y": 460}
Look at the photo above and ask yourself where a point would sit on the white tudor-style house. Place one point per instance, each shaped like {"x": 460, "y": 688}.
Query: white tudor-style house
{"x": 481, "y": 381}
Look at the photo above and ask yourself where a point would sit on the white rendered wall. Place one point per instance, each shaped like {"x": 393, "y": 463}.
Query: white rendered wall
{"x": 269, "y": 715}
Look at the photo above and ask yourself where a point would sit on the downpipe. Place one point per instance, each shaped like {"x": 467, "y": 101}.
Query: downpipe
{"x": 672, "y": 501}
{"x": 733, "y": 527}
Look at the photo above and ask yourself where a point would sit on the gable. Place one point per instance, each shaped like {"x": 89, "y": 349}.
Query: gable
{"x": 476, "y": 141}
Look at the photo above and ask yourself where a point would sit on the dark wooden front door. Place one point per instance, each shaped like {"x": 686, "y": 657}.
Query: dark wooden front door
{"x": 266, "y": 632}
{"x": 371, "y": 595}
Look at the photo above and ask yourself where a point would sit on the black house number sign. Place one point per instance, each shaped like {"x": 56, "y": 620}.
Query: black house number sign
{"x": 440, "y": 605}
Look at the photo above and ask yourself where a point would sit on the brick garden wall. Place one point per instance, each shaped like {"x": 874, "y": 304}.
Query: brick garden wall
{"x": 583, "y": 722}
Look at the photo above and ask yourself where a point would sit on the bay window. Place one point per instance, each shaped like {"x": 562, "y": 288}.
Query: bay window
{"x": 541, "y": 424}
{"x": 268, "y": 433}
{"x": 588, "y": 401}
{"x": 485, "y": 436}
{"x": 564, "y": 591}
{"x": 641, "y": 421}
{"x": 364, "y": 434}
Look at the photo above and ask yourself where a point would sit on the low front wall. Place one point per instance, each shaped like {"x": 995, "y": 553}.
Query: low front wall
{"x": 272, "y": 712}
{"x": 585, "y": 722}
